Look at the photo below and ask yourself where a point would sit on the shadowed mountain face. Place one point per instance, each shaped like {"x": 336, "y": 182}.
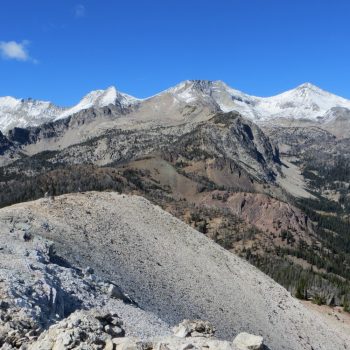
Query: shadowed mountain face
{"x": 5, "y": 144}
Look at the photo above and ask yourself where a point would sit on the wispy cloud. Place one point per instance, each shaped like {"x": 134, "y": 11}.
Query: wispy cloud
{"x": 80, "y": 11}
{"x": 12, "y": 50}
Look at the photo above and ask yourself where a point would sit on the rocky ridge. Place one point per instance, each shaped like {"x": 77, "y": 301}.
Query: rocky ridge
{"x": 225, "y": 136}
{"x": 191, "y": 100}
{"x": 38, "y": 289}
{"x": 225, "y": 290}
{"x": 97, "y": 330}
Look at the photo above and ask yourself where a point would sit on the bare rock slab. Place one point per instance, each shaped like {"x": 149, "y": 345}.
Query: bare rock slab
{"x": 246, "y": 341}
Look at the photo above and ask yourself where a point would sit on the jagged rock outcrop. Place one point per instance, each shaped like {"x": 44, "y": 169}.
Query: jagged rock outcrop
{"x": 39, "y": 288}
{"x": 82, "y": 330}
{"x": 232, "y": 138}
{"x": 96, "y": 330}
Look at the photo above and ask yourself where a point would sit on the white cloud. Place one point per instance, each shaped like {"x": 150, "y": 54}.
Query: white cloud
{"x": 80, "y": 11}
{"x": 13, "y": 50}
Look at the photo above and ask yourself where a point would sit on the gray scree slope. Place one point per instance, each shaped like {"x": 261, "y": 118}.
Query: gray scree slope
{"x": 172, "y": 270}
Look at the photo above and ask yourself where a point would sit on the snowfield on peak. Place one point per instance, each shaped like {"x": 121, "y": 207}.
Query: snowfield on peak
{"x": 25, "y": 112}
{"x": 29, "y": 112}
{"x": 98, "y": 99}
{"x": 217, "y": 92}
{"x": 197, "y": 97}
{"x": 307, "y": 101}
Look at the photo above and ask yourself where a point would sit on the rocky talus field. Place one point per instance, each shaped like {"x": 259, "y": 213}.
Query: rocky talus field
{"x": 112, "y": 271}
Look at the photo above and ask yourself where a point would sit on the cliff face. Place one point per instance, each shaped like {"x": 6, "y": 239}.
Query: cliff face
{"x": 229, "y": 137}
{"x": 5, "y": 144}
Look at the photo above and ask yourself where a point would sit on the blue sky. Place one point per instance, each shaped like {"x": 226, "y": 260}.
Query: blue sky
{"x": 60, "y": 50}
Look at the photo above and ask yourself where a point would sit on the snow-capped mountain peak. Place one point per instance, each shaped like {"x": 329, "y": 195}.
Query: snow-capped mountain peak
{"x": 102, "y": 98}
{"x": 191, "y": 90}
{"x": 305, "y": 91}
{"x": 308, "y": 86}
{"x": 306, "y": 101}
{"x": 29, "y": 112}
{"x": 215, "y": 92}
{"x": 98, "y": 99}
{"x": 25, "y": 112}
{"x": 8, "y": 102}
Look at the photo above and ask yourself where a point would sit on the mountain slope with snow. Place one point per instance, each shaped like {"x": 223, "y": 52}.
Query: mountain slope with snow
{"x": 216, "y": 93}
{"x": 29, "y": 112}
{"x": 307, "y": 101}
{"x": 25, "y": 112}
{"x": 98, "y": 99}
{"x": 191, "y": 100}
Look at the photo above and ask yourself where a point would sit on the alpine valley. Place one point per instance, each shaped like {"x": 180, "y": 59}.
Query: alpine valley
{"x": 159, "y": 207}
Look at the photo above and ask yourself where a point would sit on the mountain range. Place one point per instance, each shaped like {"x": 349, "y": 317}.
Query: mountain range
{"x": 265, "y": 178}
{"x": 307, "y": 102}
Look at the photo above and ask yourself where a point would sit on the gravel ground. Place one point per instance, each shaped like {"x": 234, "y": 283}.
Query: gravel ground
{"x": 36, "y": 292}
{"x": 172, "y": 270}
{"x": 137, "y": 322}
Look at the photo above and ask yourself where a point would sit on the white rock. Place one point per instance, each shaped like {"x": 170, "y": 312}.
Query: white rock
{"x": 124, "y": 344}
{"x": 181, "y": 331}
{"x": 246, "y": 341}
{"x": 109, "y": 345}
